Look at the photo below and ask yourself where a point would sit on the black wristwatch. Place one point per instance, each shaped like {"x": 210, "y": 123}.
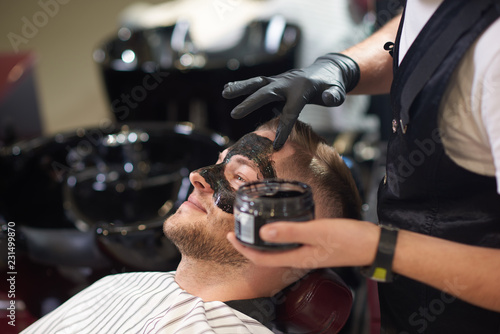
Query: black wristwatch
{"x": 381, "y": 268}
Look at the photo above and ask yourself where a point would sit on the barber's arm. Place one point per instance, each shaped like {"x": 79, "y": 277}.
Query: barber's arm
{"x": 362, "y": 69}
{"x": 470, "y": 273}
{"x": 375, "y": 63}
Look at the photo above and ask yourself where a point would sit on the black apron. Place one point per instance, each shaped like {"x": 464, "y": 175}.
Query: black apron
{"x": 424, "y": 190}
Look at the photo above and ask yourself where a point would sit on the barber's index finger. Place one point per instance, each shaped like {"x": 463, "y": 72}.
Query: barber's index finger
{"x": 243, "y": 87}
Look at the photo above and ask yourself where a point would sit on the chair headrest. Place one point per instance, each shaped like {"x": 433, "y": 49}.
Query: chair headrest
{"x": 320, "y": 302}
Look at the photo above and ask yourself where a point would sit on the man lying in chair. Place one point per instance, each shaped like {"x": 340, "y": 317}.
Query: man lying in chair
{"x": 215, "y": 289}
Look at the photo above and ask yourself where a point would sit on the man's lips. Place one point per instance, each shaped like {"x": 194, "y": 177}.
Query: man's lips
{"x": 194, "y": 202}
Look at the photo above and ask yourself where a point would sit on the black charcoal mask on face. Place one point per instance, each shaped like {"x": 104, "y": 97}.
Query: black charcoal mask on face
{"x": 257, "y": 149}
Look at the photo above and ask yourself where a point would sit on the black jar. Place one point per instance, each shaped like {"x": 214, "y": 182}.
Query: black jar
{"x": 265, "y": 201}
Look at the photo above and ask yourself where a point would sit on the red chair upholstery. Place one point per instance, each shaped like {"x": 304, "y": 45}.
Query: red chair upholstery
{"x": 318, "y": 303}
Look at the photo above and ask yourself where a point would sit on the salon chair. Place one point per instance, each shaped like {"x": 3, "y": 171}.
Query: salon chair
{"x": 318, "y": 303}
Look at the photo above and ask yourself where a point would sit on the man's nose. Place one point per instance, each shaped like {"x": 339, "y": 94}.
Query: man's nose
{"x": 199, "y": 182}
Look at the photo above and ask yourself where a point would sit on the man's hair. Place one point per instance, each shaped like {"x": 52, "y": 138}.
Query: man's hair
{"x": 319, "y": 165}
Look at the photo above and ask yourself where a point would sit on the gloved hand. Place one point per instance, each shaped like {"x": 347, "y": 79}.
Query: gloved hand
{"x": 326, "y": 82}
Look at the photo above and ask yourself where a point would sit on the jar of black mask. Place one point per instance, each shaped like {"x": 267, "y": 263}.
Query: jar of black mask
{"x": 265, "y": 201}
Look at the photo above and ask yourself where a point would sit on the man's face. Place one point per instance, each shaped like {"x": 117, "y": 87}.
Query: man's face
{"x": 200, "y": 225}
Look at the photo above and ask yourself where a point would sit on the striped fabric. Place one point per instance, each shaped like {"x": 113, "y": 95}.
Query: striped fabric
{"x": 143, "y": 302}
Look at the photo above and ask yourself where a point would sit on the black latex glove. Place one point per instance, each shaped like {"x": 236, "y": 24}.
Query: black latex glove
{"x": 326, "y": 82}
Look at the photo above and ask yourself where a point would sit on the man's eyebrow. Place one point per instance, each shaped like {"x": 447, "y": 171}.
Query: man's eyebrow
{"x": 245, "y": 161}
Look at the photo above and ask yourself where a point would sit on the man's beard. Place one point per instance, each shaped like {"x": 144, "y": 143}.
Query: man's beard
{"x": 194, "y": 241}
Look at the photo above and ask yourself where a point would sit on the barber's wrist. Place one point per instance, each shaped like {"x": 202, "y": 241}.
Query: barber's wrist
{"x": 381, "y": 268}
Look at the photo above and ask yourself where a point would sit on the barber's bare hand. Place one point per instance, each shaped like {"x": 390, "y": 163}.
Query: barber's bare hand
{"x": 326, "y": 243}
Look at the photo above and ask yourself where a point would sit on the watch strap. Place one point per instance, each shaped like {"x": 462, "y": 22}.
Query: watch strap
{"x": 381, "y": 269}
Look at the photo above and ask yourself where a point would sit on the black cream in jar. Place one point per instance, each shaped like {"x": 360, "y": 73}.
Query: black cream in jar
{"x": 265, "y": 201}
